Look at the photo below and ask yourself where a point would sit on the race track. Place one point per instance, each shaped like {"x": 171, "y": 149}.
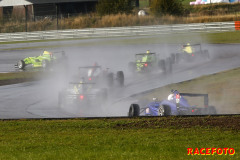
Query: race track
{"x": 39, "y": 99}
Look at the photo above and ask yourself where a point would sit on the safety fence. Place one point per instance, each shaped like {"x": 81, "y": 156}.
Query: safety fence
{"x": 120, "y": 31}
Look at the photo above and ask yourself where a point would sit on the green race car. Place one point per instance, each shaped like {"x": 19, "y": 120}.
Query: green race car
{"x": 147, "y": 62}
{"x": 43, "y": 61}
{"x": 190, "y": 53}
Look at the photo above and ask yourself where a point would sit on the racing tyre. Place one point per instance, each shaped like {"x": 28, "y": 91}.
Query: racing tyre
{"x": 132, "y": 66}
{"x": 177, "y": 57}
{"x": 168, "y": 65}
{"x": 45, "y": 64}
{"x": 21, "y": 64}
{"x": 164, "y": 111}
{"x": 110, "y": 79}
{"x": 206, "y": 54}
{"x": 104, "y": 95}
{"x": 212, "y": 110}
{"x": 120, "y": 78}
{"x": 173, "y": 58}
{"x": 162, "y": 65}
{"x": 61, "y": 100}
{"x": 134, "y": 110}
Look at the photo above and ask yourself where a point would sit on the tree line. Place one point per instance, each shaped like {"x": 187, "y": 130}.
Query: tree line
{"x": 157, "y": 7}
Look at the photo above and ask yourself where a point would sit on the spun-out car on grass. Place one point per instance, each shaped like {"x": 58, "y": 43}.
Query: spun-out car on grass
{"x": 176, "y": 104}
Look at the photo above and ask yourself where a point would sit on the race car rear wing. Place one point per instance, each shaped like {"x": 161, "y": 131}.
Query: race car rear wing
{"x": 193, "y": 45}
{"x": 205, "y": 97}
{"x": 81, "y": 83}
{"x": 87, "y": 67}
{"x": 144, "y": 54}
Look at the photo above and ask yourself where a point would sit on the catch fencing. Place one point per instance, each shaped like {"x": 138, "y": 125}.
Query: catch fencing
{"x": 119, "y": 31}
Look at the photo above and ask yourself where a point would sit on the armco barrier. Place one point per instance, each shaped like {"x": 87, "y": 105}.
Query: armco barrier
{"x": 120, "y": 31}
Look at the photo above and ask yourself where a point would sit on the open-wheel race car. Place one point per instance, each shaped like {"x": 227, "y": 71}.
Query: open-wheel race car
{"x": 189, "y": 53}
{"x": 147, "y": 62}
{"x": 47, "y": 60}
{"x": 95, "y": 74}
{"x": 82, "y": 94}
{"x": 176, "y": 104}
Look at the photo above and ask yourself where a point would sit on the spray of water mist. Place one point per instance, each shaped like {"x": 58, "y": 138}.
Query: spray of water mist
{"x": 116, "y": 57}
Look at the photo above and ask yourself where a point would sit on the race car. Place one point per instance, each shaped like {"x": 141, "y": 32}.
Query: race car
{"x": 45, "y": 61}
{"x": 82, "y": 94}
{"x": 95, "y": 74}
{"x": 146, "y": 62}
{"x": 189, "y": 53}
{"x": 176, "y": 104}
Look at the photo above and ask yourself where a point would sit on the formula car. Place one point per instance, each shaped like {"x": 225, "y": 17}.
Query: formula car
{"x": 176, "y": 104}
{"x": 45, "y": 61}
{"x": 82, "y": 94}
{"x": 145, "y": 62}
{"x": 95, "y": 74}
{"x": 189, "y": 53}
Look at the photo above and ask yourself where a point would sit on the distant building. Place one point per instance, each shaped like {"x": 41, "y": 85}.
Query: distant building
{"x": 41, "y": 8}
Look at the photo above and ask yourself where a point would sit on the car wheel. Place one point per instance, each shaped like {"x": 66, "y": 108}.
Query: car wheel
{"x": 164, "y": 110}
{"x": 178, "y": 56}
{"x": 120, "y": 78}
{"x": 103, "y": 95}
{"x": 162, "y": 65}
{"x": 206, "y": 54}
{"x": 110, "y": 79}
{"x": 168, "y": 66}
{"x": 21, "y": 64}
{"x": 173, "y": 58}
{"x": 61, "y": 100}
{"x": 212, "y": 110}
{"x": 134, "y": 110}
{"x": 45, "y": 64}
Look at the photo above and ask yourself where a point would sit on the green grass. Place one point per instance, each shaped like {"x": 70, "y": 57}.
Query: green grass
{"x": 17, "y": 75}
{"x": 157, "y": 138}
{"x": 20, "y": 77}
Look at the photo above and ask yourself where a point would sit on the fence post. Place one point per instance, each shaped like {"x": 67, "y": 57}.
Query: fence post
{"x": 26, "y": 17}
{"x": 57, "y": 14}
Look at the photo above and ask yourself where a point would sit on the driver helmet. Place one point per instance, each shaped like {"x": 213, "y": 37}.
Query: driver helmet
{"x": 47, "y": 53}
{"x": 188, "y": 44}
{"x": 155, "y": 99}
{"x": 170, "y": 96}
{"x": 148, "y": 51}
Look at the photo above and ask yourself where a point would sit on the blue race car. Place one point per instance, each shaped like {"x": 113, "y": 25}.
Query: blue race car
{"x": 176, "y": 104}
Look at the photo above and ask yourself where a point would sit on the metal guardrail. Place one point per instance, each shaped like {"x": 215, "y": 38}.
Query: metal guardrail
{"x": 118, "y": 31}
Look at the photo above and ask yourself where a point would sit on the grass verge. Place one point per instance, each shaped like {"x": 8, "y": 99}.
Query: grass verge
{"x": 140, "y": 138}
{"x": 19, "y": 77}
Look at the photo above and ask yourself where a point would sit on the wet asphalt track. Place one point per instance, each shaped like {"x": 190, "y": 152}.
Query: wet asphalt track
{"x": 39, "y": 99}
